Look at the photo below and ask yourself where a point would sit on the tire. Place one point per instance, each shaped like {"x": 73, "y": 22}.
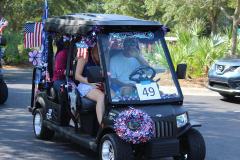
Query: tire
{"x": 3, "y": 92}
{"x": 192, "y": 146}
{"x": 113, "y": 147}
{"x": 40, "y": 131}
{"x": 227, "y": 96}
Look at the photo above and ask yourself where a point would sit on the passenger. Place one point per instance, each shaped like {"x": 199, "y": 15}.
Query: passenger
{"x": 86, "y": 89}
{"x": 122, "y": 65}
{"x": 60, "y": 72}
{"x": 59, "y": 75}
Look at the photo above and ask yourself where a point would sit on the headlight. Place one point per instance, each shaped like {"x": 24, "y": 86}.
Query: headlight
{"x": 182, "y": 120}
{"x": 237, "y": 70}
{"x": 213, "y": 66}
{"x": 134, "y": 125}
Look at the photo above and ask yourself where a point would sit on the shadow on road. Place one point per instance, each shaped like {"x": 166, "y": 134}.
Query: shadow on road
{"x": 235, "y": 100}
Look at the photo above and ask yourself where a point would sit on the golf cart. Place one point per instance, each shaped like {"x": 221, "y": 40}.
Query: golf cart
{"x": 3, "y": 86}
{"x": 150, "y": 122}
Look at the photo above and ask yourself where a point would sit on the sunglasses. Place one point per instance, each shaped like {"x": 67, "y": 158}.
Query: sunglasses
{"x": 132, "y": 44}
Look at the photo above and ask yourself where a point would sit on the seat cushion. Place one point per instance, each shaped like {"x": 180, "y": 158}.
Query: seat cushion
{"x": 85, "y": 105}
{"x": 88, "y": 105}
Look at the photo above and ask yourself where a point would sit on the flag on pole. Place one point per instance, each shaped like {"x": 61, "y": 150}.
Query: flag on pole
{"x": 33, "y": 35}
{"x": 43, "y": 50}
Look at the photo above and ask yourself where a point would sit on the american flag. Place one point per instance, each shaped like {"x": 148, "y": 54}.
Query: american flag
{"x": 82, "y": 50}
{"x": 71, "y": 83}
{"x": 43, "y": 48}
{"x": 33, "y": 35}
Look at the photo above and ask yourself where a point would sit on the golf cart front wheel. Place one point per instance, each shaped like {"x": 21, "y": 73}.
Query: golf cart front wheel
{"x": 113, "y": 147}
{"x": 3, "y": 92}
{"x": 40, "y": 131}
{"x": 192, "y": 146}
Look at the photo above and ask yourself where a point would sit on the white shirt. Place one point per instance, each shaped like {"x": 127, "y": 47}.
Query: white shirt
{"x": 121, "y": 67}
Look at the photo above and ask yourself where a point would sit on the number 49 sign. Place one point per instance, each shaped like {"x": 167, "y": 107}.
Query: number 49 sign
{"x": 148, "y": 91}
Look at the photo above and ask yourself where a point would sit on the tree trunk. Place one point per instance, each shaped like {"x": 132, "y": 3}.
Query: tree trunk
{"x": 214, "y": 27}
{"x": 214, "y": 19}
{"x": 4, "y": 7}
{"x": 234, "y": 38}
{"x": 235, "y": 27}
{"x": 206, "y": 70}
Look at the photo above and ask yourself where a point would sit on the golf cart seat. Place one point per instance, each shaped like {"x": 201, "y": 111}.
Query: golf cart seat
{"x": 84, "y": 105}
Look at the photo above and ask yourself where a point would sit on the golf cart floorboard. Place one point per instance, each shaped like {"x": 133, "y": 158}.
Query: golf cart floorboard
{"x": 76, "y": 136}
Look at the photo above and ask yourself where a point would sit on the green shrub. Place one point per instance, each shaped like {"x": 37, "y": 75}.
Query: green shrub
{"x": 14, "y": 50}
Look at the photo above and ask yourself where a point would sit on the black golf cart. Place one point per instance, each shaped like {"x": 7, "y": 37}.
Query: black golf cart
{"x": 3, "y": 86}
{"x": 150, "y": 122}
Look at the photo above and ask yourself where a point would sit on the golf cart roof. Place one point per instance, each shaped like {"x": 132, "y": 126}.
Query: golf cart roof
{"x": 81, "y": 23}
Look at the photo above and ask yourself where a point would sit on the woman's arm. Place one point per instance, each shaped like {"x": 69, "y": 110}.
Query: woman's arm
{"x": 79, "y": 69}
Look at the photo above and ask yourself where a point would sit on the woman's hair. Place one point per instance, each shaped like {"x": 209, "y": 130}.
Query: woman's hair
{"x": 66, "y": 45}
{"x": 92, "y": 48}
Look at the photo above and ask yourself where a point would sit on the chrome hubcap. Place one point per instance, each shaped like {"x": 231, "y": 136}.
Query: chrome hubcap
{"x": 107, "y": 151}
{"x": 37, "y": 124}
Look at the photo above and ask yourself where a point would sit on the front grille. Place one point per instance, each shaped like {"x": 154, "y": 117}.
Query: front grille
{"x": 238, "y": 84}
{"x": 163, "y": 129}
{"x": 219, "y": 85}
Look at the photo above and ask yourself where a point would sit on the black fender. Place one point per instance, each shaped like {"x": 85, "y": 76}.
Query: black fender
{"x": 104, "y": 131}
{"x": 188, "y": 126}
{"x": 40, "y": 103}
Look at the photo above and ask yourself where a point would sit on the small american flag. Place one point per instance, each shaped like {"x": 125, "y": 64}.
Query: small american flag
{"x": 33, "y": 35}
{"x": 82, "y": 50}
{"x": 71, "y": 83}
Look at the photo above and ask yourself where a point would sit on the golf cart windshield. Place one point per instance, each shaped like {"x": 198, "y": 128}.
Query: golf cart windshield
{"x": 140, "y": 70}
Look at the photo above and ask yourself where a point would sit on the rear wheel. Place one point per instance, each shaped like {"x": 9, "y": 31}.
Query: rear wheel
{"x": 40, "y": 131}
{"x": 113, "y": 147}
{"x": 227, "y": 96}
{"x": 192, "y": 146}
{"x": 3, "y": 92}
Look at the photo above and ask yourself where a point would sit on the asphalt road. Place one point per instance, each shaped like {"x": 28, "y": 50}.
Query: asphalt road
{"x": 220, "y": 119}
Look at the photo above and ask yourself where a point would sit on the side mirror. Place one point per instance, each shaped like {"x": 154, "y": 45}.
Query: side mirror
{"x": 3, "y": 41}
{"x": 181, "y": 71}
{"x": 94, "y": 75}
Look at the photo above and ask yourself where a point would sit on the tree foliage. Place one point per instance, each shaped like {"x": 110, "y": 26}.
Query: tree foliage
{"x": 142, "y": 9}
{"x": 19, "y": 12}
{"x": 195, "y": 22}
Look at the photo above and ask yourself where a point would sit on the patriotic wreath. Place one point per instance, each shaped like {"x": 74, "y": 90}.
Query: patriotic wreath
{"x": 144, "y": 130}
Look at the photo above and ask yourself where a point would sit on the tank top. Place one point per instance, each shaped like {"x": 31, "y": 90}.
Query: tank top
{"x": 88, "y": 64}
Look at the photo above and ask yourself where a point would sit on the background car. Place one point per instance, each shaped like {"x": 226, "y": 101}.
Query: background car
{"x": 224, "y": 76}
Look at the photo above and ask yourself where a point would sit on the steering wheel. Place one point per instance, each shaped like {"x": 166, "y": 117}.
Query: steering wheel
{"x": 142, "y": 76}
